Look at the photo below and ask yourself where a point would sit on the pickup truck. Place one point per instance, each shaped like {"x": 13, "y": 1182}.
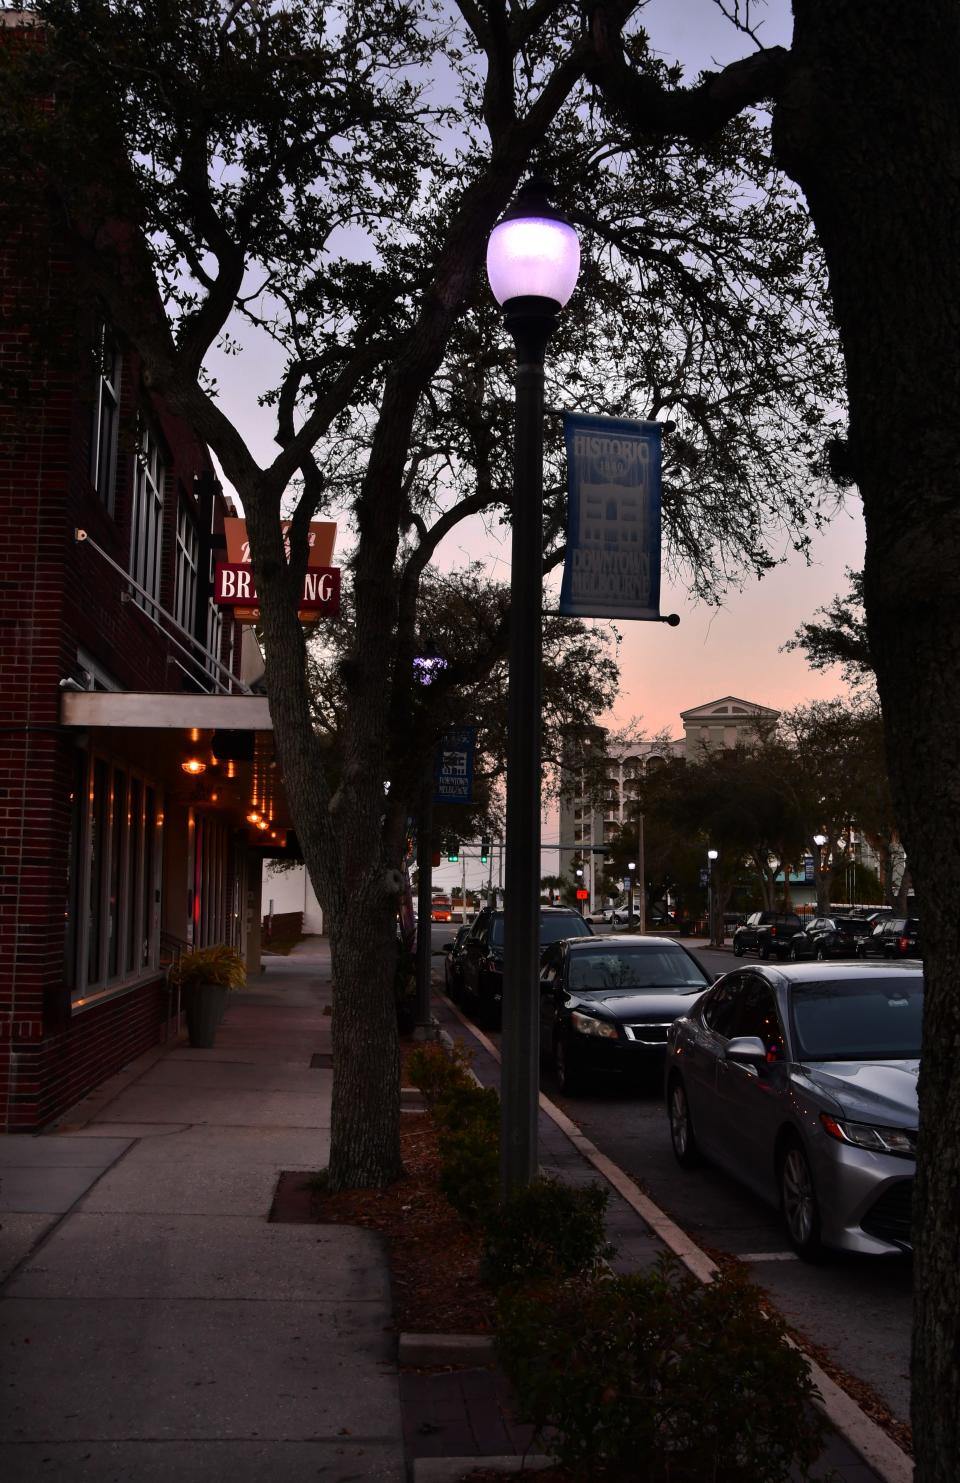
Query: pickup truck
{"x": 768, "y": 933}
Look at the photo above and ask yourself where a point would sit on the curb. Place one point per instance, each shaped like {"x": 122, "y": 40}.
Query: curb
{"x": 869, "y": 1440}
{"x": 445, "y": 1349}
{"x": 452, "y": 1469}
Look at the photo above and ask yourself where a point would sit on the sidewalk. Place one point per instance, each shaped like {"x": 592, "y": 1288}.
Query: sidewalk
{"x": 154, "y": 1324}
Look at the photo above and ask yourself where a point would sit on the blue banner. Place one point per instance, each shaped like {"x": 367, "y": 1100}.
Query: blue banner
{"x": 612, "y": 567}
{"x": 453, "y": 766}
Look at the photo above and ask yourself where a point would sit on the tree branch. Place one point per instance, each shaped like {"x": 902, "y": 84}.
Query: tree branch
{"x": 645, "y": 107}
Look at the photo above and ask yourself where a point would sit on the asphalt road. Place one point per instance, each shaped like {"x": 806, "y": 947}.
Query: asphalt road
{"x": 857, "y": 1308}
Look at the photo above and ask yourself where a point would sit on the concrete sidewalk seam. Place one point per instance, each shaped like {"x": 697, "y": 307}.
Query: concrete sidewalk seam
{"x": 64, "y": 1215}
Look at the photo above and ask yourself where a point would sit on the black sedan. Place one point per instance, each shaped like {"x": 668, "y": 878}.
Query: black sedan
{"x": 481, "y": 976}
{"x": 453, "y": 964}
{"x": 606, "y": 1004}
{"x": 831, "y": 937}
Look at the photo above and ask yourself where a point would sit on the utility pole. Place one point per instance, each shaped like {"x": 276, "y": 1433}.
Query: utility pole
{"x": 426, "y": 1026}
{"x": 642, "y": 874}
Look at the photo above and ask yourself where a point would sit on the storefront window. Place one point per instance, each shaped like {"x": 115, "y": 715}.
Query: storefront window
{"x": 114, "y": 937}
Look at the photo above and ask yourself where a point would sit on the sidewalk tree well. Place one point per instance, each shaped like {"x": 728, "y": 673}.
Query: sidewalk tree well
{"x": 302, "y": 195}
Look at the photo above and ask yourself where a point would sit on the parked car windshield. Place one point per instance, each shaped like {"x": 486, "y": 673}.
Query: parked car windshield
{"x": 552, "y": 928}
{"x": 858, "y": 1020}
{"x": 635, "y": 967}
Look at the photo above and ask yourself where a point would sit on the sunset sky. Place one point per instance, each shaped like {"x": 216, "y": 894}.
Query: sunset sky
{"x": 714, "y": 652}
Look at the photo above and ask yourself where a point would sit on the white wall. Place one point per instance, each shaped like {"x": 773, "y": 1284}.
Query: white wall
{"x": 290, "y": 890}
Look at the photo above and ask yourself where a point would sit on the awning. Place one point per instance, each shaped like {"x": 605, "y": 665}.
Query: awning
{"x": 160, "y": 731}
{"x": 166, "y": 710}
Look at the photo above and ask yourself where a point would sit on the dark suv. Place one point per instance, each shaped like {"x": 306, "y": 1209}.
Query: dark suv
{"x": 767, "y": 933}
{"x": 481, "y": 964}
{"x": 831, "y": 937}
{"x": 894, "y": 937}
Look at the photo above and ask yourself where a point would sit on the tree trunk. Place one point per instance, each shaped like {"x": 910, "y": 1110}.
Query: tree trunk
{"x": 870, "y": 128}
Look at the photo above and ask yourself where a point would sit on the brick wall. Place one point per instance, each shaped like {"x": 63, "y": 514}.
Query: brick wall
{"x": 56, "y": 595}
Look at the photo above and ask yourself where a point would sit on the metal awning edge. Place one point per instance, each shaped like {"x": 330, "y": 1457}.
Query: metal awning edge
{"x": 164, "y": 710}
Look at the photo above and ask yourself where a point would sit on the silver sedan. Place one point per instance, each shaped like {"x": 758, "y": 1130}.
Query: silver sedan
{"x": 802, "y": 1082}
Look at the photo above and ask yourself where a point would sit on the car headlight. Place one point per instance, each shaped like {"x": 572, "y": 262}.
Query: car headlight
{"x": 901, "y": 1141}
{"x": 586, "y": 1024}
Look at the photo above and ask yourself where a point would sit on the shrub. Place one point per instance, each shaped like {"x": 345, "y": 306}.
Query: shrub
{"x": 434, "y": 1070}
{"x": 470, "y": 1169}
{"x": 547, "y": 1229}
{"x": 690, "y": 1377}
{"x": 463, "y": 1105}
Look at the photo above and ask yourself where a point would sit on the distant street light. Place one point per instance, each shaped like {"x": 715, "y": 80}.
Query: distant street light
{"x": 820, "y": 840}
{"x": 533, "y": 261}
{"x": 426, "y": 668}
{"x": 713, "y": 904}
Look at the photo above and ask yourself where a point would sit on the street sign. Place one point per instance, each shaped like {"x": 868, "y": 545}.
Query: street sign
{"x": 808, "y": 874}
{"x": 704, "y": 876}
{"x": 320, "y": 596}
{"x": 453, "y": 766}
{"x": 583, "y": 895}
{"x": 627, "y": 882}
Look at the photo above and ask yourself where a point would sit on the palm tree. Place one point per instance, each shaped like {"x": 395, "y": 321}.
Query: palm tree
{"x": 551, "y": 883}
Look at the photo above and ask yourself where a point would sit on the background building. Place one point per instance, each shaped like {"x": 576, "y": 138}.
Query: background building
{"x": 602, "y": 780}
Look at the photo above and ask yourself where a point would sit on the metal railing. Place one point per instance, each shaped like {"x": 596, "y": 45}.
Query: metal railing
{"x": 202, "y": 659}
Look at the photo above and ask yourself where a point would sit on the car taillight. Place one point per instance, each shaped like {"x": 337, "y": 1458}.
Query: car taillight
{"x": 773, "y": 931}
{"x": 904, "y": 944}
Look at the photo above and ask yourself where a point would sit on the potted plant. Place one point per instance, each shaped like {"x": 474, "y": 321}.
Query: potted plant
{"x": 204, "y": 978}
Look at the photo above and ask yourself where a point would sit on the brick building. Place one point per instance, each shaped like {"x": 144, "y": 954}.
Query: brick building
{"x": 117, "y": 669}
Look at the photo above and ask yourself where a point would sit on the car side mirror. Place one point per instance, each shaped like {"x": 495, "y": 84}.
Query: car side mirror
{"x": 746, "y": 1050}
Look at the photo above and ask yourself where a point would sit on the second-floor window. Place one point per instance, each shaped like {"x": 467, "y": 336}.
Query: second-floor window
{"x": 188, "y": 558}
{"x": 146, "y": 531}
{"x": 105, "y": 414}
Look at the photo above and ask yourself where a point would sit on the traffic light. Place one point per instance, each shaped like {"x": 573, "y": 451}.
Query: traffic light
{"x": 484, "y": 851}
{"x": 453, "y": 851}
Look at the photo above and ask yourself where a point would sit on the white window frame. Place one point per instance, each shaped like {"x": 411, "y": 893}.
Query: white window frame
{"x": 187, "y": 568}
{"x": 146, "y": 516}
{"x": 137, "y": 853}
{"x": 105, "y": 413}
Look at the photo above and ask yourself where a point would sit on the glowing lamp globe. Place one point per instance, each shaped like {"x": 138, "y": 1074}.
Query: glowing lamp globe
{"x": 533, "y": 252}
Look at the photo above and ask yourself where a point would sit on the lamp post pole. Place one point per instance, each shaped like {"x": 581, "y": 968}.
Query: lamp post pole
{"x": 715, "y": 939}
{"x": 532, "y": 262}
{"x": 426, "y": 1027}
{"x": 822, "y": 899}
{"x": 642, "y": 872}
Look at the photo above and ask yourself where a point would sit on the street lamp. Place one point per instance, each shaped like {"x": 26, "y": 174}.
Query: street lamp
{"x": 632, "y": 867}
{"x": 712, "y": 913}
{"x": 427, "y": 667}
{"x": 533, "y": 260}
{"x": 820, "y": 840}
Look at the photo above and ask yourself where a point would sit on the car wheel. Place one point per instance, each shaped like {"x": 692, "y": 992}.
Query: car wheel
{"x": 820, "y": 955}
{"x": 799, "y": 1203}
{"x": 570, "y": 1082}
{"x": 737, "y": 949}
{"x": 765, "y": 952}
{"x": 794, "y": 954}
{"x": 686, "y": 1149}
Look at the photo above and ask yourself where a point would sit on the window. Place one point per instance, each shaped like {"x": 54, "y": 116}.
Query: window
{"x": 146, "y": 531}
{"x": 112, "y": 920}
{"x": 214, "y": 638}
{"x": 722, "y": 1006}
{"x": 759, "y": 1017}
{"x": 188, "y": 556}
{"x": 105, "y": 414}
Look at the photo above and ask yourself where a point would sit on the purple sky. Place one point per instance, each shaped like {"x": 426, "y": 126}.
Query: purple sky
{"x": 733, "y": 650}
